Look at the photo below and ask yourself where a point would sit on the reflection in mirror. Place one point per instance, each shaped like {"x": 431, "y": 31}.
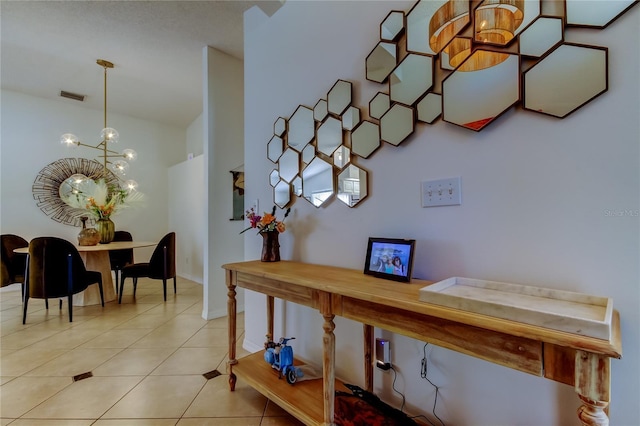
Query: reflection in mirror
{"x": 350, "y": 118}
{"x": 455, "y": 53}
{"x": 543, "y": 35}
{"x": 274, "y": 178}
{"x": 392, "y": 26}
{"x": 568, "y": 78}
{"x": 70, "y": 185}
{"x": 352, "y": 185}
{"x": 430, "y": 108}
{"x": 473, "y": 99}
{"x": 411, "y": 78}
{"x": 280, "y": 126}
{"x": 317, "y": 182}
{"x": 282, "y": 194}
{"x": 379, "y": 105}
{"x": 500, "y": 21}
{"x": 274, "y": 148}
{"x": 341, "y": 157}
{"x": 301, "y": 128}
{"x": 329, "y": 136}
{"x": 289, "y": 165}
{"x": 339, "y": 97}
{"x": 598, "y": 13}
{"x": 308, "y": 153}
{"x": 397, "y": 124}
{"x": 381, "y": 61}
{"x": 365, "y": 139}
{"x": 320, "y": 110}
{"x": 297, "y": 186}
{"x": 440, "y": 20}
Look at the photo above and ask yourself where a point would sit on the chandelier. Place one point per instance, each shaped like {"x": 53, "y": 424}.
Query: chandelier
{"x": 108, "y": 136}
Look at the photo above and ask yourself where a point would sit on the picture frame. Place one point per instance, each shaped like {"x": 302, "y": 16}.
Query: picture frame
{"x": 390, "y": 258}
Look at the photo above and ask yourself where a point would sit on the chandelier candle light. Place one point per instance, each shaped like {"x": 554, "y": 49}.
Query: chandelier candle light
{"x": 108, "y": 136}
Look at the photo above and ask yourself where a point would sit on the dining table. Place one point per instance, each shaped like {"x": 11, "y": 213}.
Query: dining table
{"x": 96, "y": 258}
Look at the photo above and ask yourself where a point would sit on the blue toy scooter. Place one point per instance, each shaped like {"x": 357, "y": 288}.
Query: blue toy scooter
{"x": 280, "y": 357}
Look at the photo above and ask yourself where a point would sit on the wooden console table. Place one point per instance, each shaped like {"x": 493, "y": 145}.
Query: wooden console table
{"x": 579, "y": 361}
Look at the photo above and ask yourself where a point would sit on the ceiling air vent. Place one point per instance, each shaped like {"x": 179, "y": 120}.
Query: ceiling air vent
{"x": 73, "y": 96}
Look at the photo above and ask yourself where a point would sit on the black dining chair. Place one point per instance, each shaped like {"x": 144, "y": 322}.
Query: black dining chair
{"x": 12, "y": 264}
{"x": 55, "y": 269}
{"x": 120, "y": 258}
{"x": 161, "y": 266}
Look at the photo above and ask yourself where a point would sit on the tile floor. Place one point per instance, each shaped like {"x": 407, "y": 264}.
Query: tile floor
{"x": 147, "y": 358}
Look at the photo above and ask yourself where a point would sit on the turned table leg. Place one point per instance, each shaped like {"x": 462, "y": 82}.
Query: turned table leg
{"x": 592, "y": 412}
{"x": 231, "y": 318}
{"x": 328, "y": 358}
{"x": 593, "y": 385}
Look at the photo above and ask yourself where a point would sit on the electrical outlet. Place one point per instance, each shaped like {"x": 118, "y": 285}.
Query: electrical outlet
{"x": 442, "y": 192}
{"x": 383, "y": 354}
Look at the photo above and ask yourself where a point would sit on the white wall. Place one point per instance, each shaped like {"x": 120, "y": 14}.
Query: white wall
{"x": 31, "y": 129}
{"x": 187, "y": 216}
{"x": 223, "y": 151}
{"x": 538, "y": 196}
{"x": 195, "y": 139}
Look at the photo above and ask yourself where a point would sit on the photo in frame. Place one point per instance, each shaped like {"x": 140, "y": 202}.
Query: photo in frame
{"x": 390, "y": 258}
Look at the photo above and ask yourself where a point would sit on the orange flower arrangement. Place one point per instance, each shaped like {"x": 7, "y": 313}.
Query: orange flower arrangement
{"x": 266, "y": 222}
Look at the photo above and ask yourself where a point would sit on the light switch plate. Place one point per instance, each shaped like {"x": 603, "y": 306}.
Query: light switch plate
{"x": 442, "y": 192}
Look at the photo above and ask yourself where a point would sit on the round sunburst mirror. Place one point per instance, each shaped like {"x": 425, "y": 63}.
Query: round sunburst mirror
{"x": 54, "y": 178}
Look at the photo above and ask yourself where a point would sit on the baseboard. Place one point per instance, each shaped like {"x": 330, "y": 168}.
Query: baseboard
{"x": 190, "y": 277}
{"x": 219, "y": 313}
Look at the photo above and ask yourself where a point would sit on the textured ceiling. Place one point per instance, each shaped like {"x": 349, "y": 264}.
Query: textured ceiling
{"x": 156, "y": 47}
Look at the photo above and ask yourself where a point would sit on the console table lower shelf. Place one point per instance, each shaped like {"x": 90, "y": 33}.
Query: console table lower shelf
{"x": 304, "y": 400}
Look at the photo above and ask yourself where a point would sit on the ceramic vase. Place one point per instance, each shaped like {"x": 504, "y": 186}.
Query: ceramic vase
{"x": 270, "y": 246}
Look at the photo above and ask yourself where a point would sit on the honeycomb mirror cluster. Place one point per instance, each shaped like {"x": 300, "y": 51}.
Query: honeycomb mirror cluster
{"x": 441, "y": 59}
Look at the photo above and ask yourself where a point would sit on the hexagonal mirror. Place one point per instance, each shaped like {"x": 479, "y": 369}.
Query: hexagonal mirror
{"x": 320, "y": 110}
{"x": 350, "y": 118}
{"x": 598, "y": 13}
{"x": 482, "y": 88}
{"x": 297, "y": 186}
{"x": 352, "y": 185}
{"x": 329, "y": 135}
{"x": 280, "y": 126}
{"x": 274, "y": 178}
{"x": 429, "y": 108}
{"x": 541, "y": 36}
{"x": 341, "y": 157}
{"x": 397, "y": 124}
{"x": 339, "y": 97}
{"x": 411, "y": 79}
{"x": 289, "y": 165}
{"x": 381, "y": 61}
{"x": 308, "y": 154}
{"x": 498, "y": 22}
{"x": 317, "y": 182}
{"x": 392, "y": 26}
{"x": 566, "y": 79}
{"x": 379, "y": 105}
{"x": 282, "y": 194}
{"x": 301, "y": 128}
{"x": 365, "y": 139}
{"x": 274, "y": 148}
